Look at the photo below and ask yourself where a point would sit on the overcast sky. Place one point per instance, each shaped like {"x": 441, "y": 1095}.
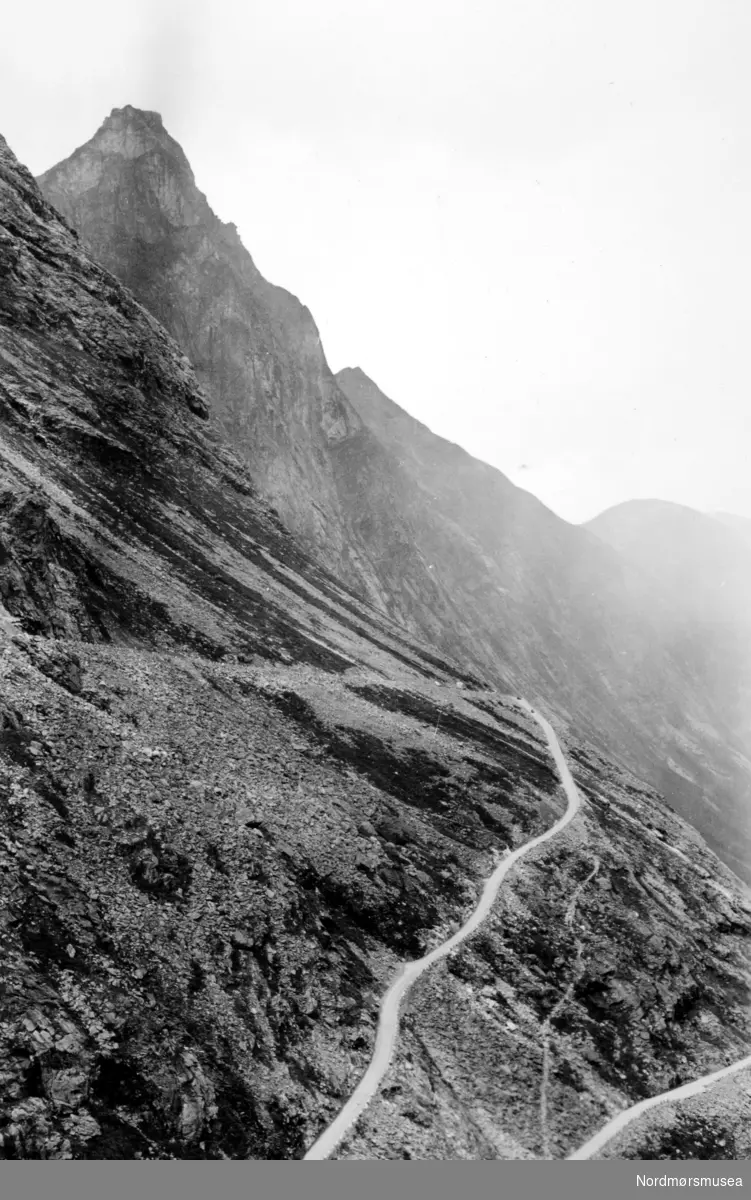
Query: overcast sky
{"x": 528, "y": 222}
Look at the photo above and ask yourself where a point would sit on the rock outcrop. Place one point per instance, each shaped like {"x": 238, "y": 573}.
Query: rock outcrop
{"x": 440, "y": 542}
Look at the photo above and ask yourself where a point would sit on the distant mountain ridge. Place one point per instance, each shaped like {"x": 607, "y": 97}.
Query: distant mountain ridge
{"x": 435, "y": 539}
{"x": 705, "y": 562}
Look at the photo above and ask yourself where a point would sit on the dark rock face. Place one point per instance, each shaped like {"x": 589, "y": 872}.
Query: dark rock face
{"x": 233, "y": 797}
{"x": 154, "y": 926}
{"x": 255, "y": 348}
{"x": 440, "y": 542}
{"x": 121, "y": 515}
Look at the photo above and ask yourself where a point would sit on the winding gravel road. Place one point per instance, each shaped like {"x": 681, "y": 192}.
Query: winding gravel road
{"x": 388, "y": 1020}
{"x": 609, "y": 1131}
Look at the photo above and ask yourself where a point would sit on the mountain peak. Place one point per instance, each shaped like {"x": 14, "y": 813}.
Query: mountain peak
{"x": 134, "y": 119}
{"x": 132, "y": 134}
{"x": 132, "y": 142}
{"x": 650, "y": 504}
{"x": 355, "y": 382}
{"x": 129, "y": 112}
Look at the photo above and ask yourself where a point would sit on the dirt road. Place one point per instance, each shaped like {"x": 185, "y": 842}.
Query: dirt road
{"x": 609, "y": 1131}
{"x": 388, "y": 1021}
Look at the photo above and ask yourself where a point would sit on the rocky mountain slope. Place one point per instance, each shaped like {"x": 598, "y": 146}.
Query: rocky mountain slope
{"x": 703, "y": 563}
{"x": 703, "y": 567}
{"x": 676, "y": 644}
{"x": 255, "y": 349}
{"x": 234, "y": 797}
{"x": 433, "y": 538}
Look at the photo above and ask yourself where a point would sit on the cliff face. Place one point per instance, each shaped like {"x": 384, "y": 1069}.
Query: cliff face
{"x": 255, "y": 349}
{"x": 132, "y": 196}
{"x": 121, "y": 513}
{"x": 233, "y": 798}
{"x": 431, "y": 537}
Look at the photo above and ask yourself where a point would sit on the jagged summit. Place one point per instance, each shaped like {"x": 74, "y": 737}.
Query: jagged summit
{"x": 123, "y": 123}
{"x": 432, "y": 537}
{"x": 130, "y": 112}
{"x": 133, "y": 145}
{"x": 132, "y": 132}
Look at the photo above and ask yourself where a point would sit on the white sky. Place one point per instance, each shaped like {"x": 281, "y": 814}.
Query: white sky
{"x": 529, "y": 222}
